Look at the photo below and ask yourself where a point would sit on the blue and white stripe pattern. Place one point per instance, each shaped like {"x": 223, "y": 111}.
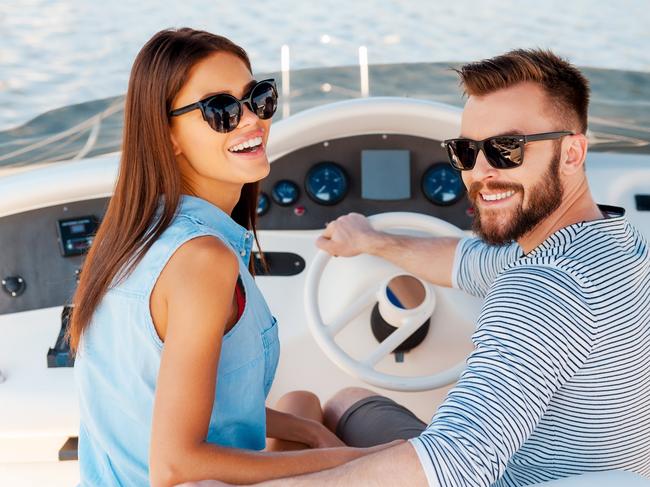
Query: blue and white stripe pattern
{"x": 559, "y": 381}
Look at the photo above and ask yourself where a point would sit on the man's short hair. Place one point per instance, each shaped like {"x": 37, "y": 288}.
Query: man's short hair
{"x": 566, "y": 87}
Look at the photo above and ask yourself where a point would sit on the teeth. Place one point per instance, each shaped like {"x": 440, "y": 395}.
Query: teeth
{"x": 498, "y": 196}
{"x": 247, "y": 144}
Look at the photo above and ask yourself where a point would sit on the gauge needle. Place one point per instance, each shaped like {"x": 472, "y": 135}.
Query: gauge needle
{"x": 322, "y": 188}
{"x": 437, "y": 189}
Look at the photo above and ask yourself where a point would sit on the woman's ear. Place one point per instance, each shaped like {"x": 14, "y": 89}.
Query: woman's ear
{"x": 175, "y": 146}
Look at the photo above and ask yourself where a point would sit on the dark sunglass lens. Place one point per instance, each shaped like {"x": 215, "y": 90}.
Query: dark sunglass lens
{"x": 223, "y": 113}
{"x": 504, "y": 152}
{"x": 462, "y": 154}
{"x": 264, "y": 100}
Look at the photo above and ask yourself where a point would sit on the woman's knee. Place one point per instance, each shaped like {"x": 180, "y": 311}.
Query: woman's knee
{"x": 297, "y": 397}
{"x": 301, "y": 403}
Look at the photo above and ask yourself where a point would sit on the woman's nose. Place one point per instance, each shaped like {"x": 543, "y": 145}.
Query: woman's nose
{"x": 248, "y": 116}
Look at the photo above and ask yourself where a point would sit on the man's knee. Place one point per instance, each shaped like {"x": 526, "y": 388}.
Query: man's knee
{"x": 340, "y": 402}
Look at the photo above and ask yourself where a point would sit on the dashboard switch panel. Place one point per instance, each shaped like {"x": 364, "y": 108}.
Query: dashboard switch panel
{"x": 76, "y": 235}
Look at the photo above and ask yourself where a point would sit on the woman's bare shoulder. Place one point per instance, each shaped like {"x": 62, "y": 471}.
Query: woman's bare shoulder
{"x": 203, "y": 260}
{"x": 196, "y": 284}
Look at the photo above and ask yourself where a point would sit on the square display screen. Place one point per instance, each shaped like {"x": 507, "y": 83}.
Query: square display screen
{"x": 385, "y": 174}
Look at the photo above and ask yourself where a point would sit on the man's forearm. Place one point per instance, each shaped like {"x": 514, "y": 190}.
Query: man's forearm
{"x": 398, "y": 465}
{"x": 431, "y": 259}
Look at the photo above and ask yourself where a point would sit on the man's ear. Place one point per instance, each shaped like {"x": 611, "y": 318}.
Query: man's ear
{"x": 576, "y": 152}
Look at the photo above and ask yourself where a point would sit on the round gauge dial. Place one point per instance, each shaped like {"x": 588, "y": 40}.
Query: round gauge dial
{"x": 263, "y": 204}
{"x": 326, "y": 183}
{"x": 442, "y": 184}
{"x": 285, "y": 192}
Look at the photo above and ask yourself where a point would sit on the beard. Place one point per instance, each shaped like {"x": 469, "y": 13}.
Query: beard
{"x": 545, "y": 198}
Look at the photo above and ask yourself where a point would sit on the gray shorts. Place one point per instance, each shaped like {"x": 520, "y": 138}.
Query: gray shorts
{"x": 375, "y": 420}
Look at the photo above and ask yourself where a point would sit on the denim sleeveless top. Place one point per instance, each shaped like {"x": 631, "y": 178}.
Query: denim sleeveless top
{"x": 119, "y": 356}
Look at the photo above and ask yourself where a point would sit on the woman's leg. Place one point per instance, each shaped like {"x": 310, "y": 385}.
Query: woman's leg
{"x": 299, "y": 403}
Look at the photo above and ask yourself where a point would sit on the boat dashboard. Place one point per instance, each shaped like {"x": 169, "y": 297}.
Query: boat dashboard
{"x": 369, "y": 174}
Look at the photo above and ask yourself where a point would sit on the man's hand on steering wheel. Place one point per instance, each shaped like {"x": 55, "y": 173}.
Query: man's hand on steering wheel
{"x": 347, "y": 236}
{"x": 353, "y": 234}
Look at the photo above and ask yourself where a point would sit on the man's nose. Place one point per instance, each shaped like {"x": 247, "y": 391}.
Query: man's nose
{"x": 482, "y": 168}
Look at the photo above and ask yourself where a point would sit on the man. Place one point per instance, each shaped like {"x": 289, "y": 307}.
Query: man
{"x": 558, "y": 383}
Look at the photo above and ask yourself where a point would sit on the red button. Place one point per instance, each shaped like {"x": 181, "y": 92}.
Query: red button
{"x": 299, "y": 210}
{"x": 470, "y": 211}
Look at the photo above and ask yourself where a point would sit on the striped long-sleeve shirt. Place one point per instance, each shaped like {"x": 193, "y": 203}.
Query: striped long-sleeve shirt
{"x": 559, "y": 381}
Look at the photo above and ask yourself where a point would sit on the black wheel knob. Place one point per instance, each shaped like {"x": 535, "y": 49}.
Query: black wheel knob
{"x": 14, "y": 286}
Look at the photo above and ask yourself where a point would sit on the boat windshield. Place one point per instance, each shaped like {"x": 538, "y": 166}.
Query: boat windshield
{"x": 619, "y": 118}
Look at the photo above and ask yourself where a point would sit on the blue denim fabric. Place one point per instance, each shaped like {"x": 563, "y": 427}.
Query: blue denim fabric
{"x": 119, "y": 357}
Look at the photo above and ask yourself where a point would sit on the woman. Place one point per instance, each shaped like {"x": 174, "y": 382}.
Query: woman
{"x": 176, "y": 347}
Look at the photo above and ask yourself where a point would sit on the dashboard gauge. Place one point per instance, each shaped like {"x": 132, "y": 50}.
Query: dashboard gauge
{"x": 326, "y": 183}
{"x": 263, "y": 204}
{"x": 285, "y": 192}
{"x": 442, "y": 184}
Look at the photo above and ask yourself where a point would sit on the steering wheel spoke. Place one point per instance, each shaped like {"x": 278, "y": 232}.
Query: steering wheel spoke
{"x": 353, "y": 310}
{"x": 391, "y": 343}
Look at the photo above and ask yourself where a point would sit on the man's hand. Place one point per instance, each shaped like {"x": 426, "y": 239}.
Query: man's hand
{"x": 347, "y": 236}
{"x": 429, "y": 258}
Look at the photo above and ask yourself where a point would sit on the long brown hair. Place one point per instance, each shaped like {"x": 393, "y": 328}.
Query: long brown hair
{"x": 148, "y": 168}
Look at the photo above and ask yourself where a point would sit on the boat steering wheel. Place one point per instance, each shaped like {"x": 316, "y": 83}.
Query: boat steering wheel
{"x": 364, "y": 369}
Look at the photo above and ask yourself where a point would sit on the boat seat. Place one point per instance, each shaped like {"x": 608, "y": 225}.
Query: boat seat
{"x": 600, "y": 479}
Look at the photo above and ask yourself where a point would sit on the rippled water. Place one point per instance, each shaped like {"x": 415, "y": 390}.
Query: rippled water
{"x": 56, "y": 53}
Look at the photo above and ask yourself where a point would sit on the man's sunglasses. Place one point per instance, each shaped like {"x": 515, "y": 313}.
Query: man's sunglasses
{"x": 223, "y": 111}
{"x": 501, "y": 152}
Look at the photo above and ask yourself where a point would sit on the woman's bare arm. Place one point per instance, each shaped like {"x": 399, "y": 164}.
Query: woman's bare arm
{"x": 285, "y": 426}
{"x": 196, "y": 289}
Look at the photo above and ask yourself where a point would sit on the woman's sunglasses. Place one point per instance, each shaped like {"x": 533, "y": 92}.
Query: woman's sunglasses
{"x": 501, "y": 152}
{"x": 223, "y": 111}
